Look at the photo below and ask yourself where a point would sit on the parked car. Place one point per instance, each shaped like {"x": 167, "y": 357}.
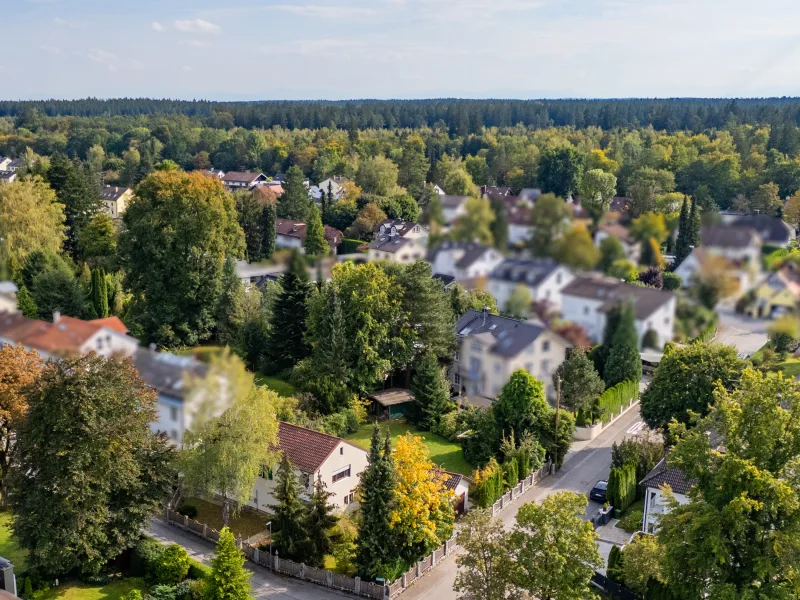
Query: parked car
{"x": 598, "y": 493}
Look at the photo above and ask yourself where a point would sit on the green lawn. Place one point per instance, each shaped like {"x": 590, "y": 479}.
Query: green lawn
{"x": 82, "y": 591}
{"x": 245, "y": 523}
{"x": 9, "y": 548}
{"x": 790, "y": 368}
{"x": 443, "y": 453}
{"x": 283, "y": 388}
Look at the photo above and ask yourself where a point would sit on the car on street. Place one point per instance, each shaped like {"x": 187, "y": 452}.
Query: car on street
{"x": 598, "y": 493}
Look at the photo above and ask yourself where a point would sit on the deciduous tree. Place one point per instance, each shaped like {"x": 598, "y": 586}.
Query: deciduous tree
{"x": 561, "y": 171}
{"x": 31, "y": 219}
{"x": 475, "y": 225}
{"x": 485, "y": 570}
{"x": 552, "y": 217}
{"x": 580, "y": 383}
{"x": 377, "y": 175}
{"x": 598, "y": 188}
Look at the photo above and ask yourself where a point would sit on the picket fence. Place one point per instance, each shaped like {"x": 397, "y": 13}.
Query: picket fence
{"x": 352, "y": 585}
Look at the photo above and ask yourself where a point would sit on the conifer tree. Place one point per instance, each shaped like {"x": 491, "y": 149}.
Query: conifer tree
{"x": 230, "y": 311}
{"x": 26, "y": 303}
{"x": 229, "y": 580}
{"x": 499, "y": 225}
{"x": 294, "y": 203}
{"x": 99, "y": 295}
{"x": 624, "y": 362}
{"x": 323, "y": 201}
{"x": 694, "y": 225}
{"x": 315, "y": 244}
{"x": 329, "y": 364}
{"x": 268, "y": 230}
{"x": 318, "y": 524}
{"x": 683, "y": 243}
{"x": 287, "y": 344}
{"x": 290, "y": 513}
{"x": 431, "y": 393}
{"x": 376, "y": 548}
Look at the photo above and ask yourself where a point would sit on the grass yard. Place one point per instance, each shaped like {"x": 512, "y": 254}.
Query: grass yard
{"x": 631, "y": 520}
{"x": 245, "y": 523}
{"x": 82, "y": 591}
{"x": 9, "y": 548}
{"x": 444, "y": 453}
{"x": 283, "y": 388}
{"x": 790, "y": 368}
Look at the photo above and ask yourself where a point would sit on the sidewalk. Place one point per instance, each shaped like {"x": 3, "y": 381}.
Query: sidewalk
{"x": 263, "y": 583}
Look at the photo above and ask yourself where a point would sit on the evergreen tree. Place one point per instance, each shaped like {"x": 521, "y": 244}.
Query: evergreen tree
{"x": 290, "y": 513}
{"x": 315, "y": 244}
{"x": 26, "y": 303}
{"x": 694, "y": 225}
{"x": 323, "y": 201}
{"x": 376, "y": 551}
{"x": 229, "y": 580}
{"x": 431, "y": 393}
{"x": 499, "y": 225}
{"x": 580, "y": 383}
{"x": 268, "y": 216}
{"x": 287, "y": 344}
{"x": 294, "y": 203}
{"x": 78, "y": 190}
{"x": 230, "y": 310}
{"x": 683, "y": 243}
{"x": 318, "y": 524}
{"x": 99, "y": 293}
{"x": 624, "y": 362}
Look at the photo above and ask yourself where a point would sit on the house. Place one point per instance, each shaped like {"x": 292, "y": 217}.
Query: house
{"x": 215, "y": 173}
{"x": 398, "y": 241}
{"x": 542, "y": 277}
{"x": 655, "y": 502}
{"x": 162, "y": 371}
{"x": 8, "y": 297}
{"x": 586, "y": 300}
{"x": 7, "y": 176}
{"x": 15, "y": 165}
{"x": 292, "y": 234}
{"x": 519, "y": 219}
{"x": 495, "y": 190}
{"x": 4, "y": 162}
{"x": 632, "y": 247}
{"x": 253, "y": 273}
{"x": 333, "y": 187}
{"x": 459, "y": 485}
{"x": 116, "y": 199}
{"x": 739, "y": 246}
{"x": 453, "y": 207}
{"x": 772, "y": 230}
{"x": 777, "y": 294}
{"x": 492, "y": 347}
{"x": 392, "y": 403}
{"x": 463, "y": 260}
{"x": 530, "y": 195}
{"x": 242, "y": 180}
{"x": 312, "y": 453}
{"x": 438, "y": 190}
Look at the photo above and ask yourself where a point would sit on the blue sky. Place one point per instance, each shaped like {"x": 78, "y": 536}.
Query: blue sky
{"x": 335, "y": 49}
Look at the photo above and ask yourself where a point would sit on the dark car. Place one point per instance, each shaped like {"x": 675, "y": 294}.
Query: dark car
{"x": 598, "y": 493}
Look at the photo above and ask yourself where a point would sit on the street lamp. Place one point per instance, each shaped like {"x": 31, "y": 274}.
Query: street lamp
{"x": 269, "y": 524}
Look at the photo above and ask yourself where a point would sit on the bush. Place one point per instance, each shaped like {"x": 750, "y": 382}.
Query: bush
{"x": 27, "y": 589}
{"x": 132, "y": 595}
{"x": 614, "y": 569}
{"x": 511, "y": 473}
{"x": 614, "y": 398}
{"x": 145, "y": 558}
{"x": 650, "y": 339}
{"x": 198, "y": 570}
{"x": 173, "y": 566}
{"x": 447, "y": 427}
{"x": 168, "y": 592}
{"x": 187, "y": 510}
{"x": 621, "y": 491}
{"x": 488, "y": 485}
{"x": 631, "y": 521}
{"x": 197, "y": 589}
{"x": 349, "y": 246}
{"x": 671, "y": 281}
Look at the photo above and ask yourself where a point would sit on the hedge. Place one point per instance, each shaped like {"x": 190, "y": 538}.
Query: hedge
{"x": 621, "y": 490}
{"x": 707, "y": 334}
{"x": 615, "y": 398}
{"x": 349, "y": 246}
{"x": 488, "y": 486}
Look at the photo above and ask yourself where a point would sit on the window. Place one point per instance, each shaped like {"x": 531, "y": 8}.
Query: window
{"x": 306, "y": 480}
{"x": 475, "y": 365}
{"x": 457, "y": 356}
{"x": 173, "y": 413}
{"x": 341, "y": 474}
{"x": 558, "y": 278}
{"x": 457, "y": 379}
{"x": 99, "y": 343}
{"x": 174, "y": 434}
{"x": 341, "y": 451}
{"x": 350, "y": 498}
{"x": 546, "y": 346}
{"x": 476, "y": 347}
{"x": 586, "y": 310}
{"x": 545, "y": 367}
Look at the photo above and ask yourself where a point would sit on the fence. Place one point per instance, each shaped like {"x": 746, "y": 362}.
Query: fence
{"x": 612, "y": 588}
{"x": 352, "y": 585}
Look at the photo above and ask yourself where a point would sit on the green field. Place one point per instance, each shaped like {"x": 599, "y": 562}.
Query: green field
{"x": 790, "y": 368}
{"x": 245, "y": 523}
{"x": 443, "y": 453}
{"x": 82, "y": 591}
{"x": 282, "y": 387}
{"x": 9, "y": 548}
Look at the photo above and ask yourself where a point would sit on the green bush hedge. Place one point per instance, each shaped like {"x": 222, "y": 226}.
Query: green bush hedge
{"x": 707, "y": 334}
{"x": 349, "y": 246}
{"x": 488, "y": 485}
{"x": 615, "y": 398}
{"x": 172, "y": 567}
{"x": 621, "y": 491}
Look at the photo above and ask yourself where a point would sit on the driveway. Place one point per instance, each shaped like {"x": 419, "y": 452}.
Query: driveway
{"x": 745, "y": 334}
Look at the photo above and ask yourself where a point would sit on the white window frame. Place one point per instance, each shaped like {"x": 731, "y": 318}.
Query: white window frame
{"x": 340, "y": 472}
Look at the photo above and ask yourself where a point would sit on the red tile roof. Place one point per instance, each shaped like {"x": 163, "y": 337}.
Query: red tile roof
{"x": 66, "y": 336}
{"x": 306, "y": 449}
{"x": 114, "y": 323}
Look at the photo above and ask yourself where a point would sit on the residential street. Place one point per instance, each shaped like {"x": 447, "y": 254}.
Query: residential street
{"x": 264, "y": 584}
{"x": 581, "y": 470}
{"x": 745, "y": 334}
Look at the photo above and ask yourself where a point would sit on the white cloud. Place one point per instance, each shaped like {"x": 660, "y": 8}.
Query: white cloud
{"x": 324, "y": 12}
{"x": 105, "y": 58}
{"x": 197, "y": 26}
{"x": 157, "y": 26}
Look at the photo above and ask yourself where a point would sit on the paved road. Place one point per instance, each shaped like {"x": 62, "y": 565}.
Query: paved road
{"x": 745, "y": 334}
{"x": 264, "y": 584}
{"x": 580, "y": 472}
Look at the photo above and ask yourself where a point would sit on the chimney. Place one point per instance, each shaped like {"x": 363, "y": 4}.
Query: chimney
{"x": 56, "y": 316}
{"x": 294, "y": 227}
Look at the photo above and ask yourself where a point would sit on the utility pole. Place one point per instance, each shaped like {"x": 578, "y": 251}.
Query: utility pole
{"x": 553, "y": 467}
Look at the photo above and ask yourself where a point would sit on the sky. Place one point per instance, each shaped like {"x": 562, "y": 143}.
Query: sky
{"x": 341, "y": 49}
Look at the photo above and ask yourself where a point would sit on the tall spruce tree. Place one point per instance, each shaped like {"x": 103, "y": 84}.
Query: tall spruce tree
{"x": 294, "y": 203}
{"x": 683, "y": 245}
{"x": 229, "y": 580}
{"x": 290, "y": 513}
{"x": 624, "y": 362}
{"x": 99, "y": 295}
{"x": 230, "y": 310}
{"x": 499, "y": 225}
{"x": 268, "y": 217}
{"x": 694, "y": 225}
{"x": 315, "y": 244}
{"x": 431, "y": 393}
{"x": 287, "y": 344}
{"x": 318, "y": 523}
{"x": 331, "y": 374}
{"x": 376, "y": 548}
{"x": 78, "y": 189}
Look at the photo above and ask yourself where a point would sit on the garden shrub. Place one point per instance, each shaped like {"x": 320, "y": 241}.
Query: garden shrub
{"x": 187, "y": 510}
{"x": 197, "y": 589}
{"x": 447, "y": 427}
{"x": 145, "y": 558}
{"x": 671, "y": 281}
{"x": 650, "y": 339}
{"x": 631, "y": 521}
{"x": 27, "y": 589}
{"x": 167, "y": 592}
{"x": 621, "y": 491}
{"x": 511, "y": 473}
{"x": 132, "y": 595}
{"x": 173, "y": 566}
{"x": 488, "y": 485}
{"x": 198, "y": 570}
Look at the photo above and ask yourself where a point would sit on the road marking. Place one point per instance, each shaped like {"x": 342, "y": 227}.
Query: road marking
{"x": 636, "y": 427}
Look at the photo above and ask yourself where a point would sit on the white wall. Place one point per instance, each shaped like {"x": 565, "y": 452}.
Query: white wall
{"x": 107, "y": 342}
{"x": 519, "y": 234}
{"x": 287, "y": 241}
{"x": 549, "y": 289}
{"x": 170, "y": 419}
{"x": 655, "y": 505}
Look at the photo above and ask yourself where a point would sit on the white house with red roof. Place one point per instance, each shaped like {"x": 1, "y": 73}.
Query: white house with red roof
{"x": 312, "y": 453}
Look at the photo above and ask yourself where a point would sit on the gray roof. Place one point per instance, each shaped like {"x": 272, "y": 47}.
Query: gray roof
{"x": 449, "y": 201}
{"x": 401, "y": 226}
{"x": 445, "y": 279}
{"x": 531, "y": 194}
{"x": 112, "y": 192}
{"x": 771, "y": 229}
{"x": 388, "y": 243}
{"x": 530, "y": 272}
{"x": 472, "y": 252}
{"x": 510, "y": 335}
{"x": 720, "y": 236}
{"x": 8, "y": 175}
{"x": 611, "y": 292}
{"x": 392, "y": 397}
{"x": 165, "y": 372}
{"x": 663, "y": 474}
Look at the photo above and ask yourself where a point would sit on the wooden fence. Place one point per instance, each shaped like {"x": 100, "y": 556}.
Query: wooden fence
{"x": 352, "y": 585}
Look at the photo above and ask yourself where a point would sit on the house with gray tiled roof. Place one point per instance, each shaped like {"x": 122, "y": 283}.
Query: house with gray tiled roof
{"x": 542, "y": 277}
{"x": 463, "y": 260}
{"x": 655, "y": 500}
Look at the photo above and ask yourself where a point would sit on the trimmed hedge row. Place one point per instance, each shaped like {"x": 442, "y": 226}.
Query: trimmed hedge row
{"x": 621, "y": 491}
{"x": 615, "y": 398}
{"x": 707, "y": 334}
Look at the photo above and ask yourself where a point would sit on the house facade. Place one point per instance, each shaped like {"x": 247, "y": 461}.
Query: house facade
{"x": 492, "y": 347}
{"x": 398, "y": 241}
{"x": 333, "y": 187}
{"x": 656, "y": 502}
{"x": 543, "y": 278}
{"x": 292, "y": 234}
{"x": 586, "y": 300}
{"x": 8, "y": 297}
{"x": 772, "y": 230}
{"x": 453, "y": 207}
{"x": 463, "y": 260}
{"x": 312, "y": 453}
{"x": 777, "y": 294}
{"x": 242, "y": 180}
{"x": 632, "y": 247}
{"x": 115, "y": 200}
{"x": 740, "y": 247}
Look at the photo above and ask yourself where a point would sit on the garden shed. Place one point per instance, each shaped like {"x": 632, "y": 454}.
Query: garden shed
{"x": 392, "y": 403}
